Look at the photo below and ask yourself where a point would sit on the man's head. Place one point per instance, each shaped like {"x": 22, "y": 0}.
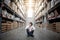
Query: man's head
{"x": 31, "y": 23}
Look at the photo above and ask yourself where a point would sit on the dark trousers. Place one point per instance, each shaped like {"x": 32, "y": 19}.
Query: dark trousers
{"x": 30, "y": 33}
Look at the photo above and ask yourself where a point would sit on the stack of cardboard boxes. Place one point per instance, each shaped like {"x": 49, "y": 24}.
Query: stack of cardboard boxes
{"x": 7, "y": 2}
{"x": 54, "y": 27}
{"x": 8, "y": 25}
{"x": 4, "y": 27}
{"x": 12, "y": 5}
{"x": 56, "y": 1}
{"x": 4, "y": 13}
{"x": 48, "y": 5}
{"x": 7, "y": 15}
{"x": 15, "y": 24}
{"x": 9, "y": 20}
{"x": 58, "y": 26}
{"x": 52, "y": 3}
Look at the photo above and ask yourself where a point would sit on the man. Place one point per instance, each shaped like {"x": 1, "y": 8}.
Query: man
{"x": 30, "y": 29}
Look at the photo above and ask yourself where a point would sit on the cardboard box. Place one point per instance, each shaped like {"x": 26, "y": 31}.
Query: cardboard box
{"x": 56, "y": 1}
{"x": 8, "y": 27}
{"x": 48, "y": 5}
{"x": 15, "y": 24}
{"x": 15, "y": 1}
{"x": 7, "y": 2}
{"x": 18, "y": 11}
{"x": 52, "y": 27}
{"x": 15, "y": 8}
{"x": 58, "y": 26}
{"x": 52, "y": 3}
{"x": 56, "y": 13}
{"x": 3, "y": 29}
{"x": 4, "y": 13}
{"x": 12, "y": 26}
{"x": 13, "y": 5}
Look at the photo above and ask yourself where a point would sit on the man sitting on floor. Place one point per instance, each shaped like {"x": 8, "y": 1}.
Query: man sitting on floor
{"x": 30, "y": 29}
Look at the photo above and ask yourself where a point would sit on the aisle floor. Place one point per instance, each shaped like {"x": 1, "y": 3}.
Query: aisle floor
{"x": 20, "y": 34}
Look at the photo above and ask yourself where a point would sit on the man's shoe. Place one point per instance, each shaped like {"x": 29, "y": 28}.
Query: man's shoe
{"x": 32, "y": 35}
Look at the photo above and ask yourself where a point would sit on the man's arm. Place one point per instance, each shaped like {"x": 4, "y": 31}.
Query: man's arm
{"x": 26, "y": 27}
{"x": 33, "y": 28}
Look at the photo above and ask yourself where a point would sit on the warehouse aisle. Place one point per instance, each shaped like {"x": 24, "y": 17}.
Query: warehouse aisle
{"x": 20, "y": 34}
{"x": 14, "y": 14}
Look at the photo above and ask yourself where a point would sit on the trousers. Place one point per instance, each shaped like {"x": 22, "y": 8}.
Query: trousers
{"x": 30, "y": 33}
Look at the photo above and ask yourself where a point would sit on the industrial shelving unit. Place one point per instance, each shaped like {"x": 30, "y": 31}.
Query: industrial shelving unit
{"x": 0, "y": 14}
{"x": 54, "y": 21}
{"x": 52, "y": 15}
{"x": 9, "y": 18}
{"x": 57, "y": 19}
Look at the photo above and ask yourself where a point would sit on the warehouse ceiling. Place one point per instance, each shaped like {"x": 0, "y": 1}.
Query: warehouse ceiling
{"x": 29, "y": 7}
{"x": 32, "y": 5}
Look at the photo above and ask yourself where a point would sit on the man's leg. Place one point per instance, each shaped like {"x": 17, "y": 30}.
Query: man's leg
{"x": 31, "y": 33}
{"x": 28, "y": 34}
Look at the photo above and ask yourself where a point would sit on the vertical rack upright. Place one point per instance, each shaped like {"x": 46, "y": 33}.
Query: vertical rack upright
{"x": 1, "y": 1}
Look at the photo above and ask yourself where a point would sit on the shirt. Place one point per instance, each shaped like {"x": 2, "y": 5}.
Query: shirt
{"x": 30, "y": 28}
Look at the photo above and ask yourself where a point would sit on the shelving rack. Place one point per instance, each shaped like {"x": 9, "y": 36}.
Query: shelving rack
{"x": 57, "y": 6}
{"x": 0, "y": 14}
{"x": 11, "y": 11}
{"x": 55, "y": 20}
{"x": 50, "y": 7}
{"x": 6, "y": 23}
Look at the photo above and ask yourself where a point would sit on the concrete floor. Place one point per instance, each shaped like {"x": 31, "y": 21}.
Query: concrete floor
{"x": 20, "y": 34}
